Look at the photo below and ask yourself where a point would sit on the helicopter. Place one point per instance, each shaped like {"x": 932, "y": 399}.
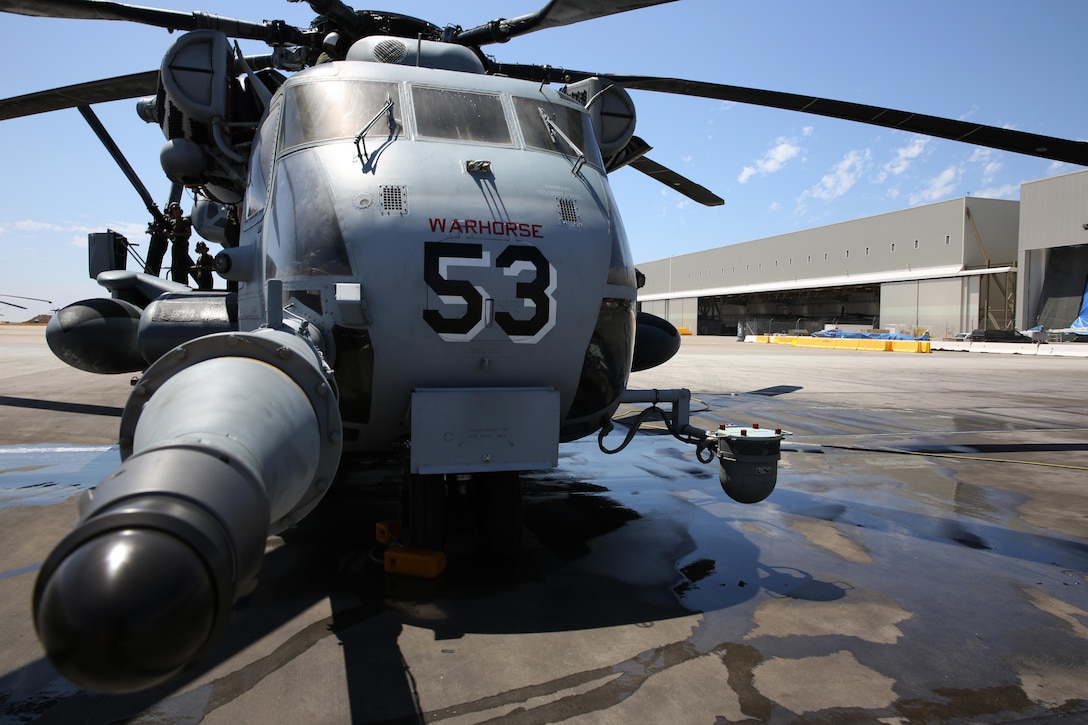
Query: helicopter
{"x": 16, "y": 305}
{"x": 424, "y": 261}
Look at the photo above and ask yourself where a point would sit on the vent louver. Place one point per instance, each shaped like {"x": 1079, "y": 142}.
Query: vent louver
{"x": 390, "y": 51}
{"x": 568, "y": 210}
{"x": 394, "y": 199}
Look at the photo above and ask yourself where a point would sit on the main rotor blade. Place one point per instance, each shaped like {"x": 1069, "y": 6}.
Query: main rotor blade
{"x": 126, "y": 168}
{"x": 568, "y": 12}
{"x": 552, "y": 15}
{"x": 82, "y": 94}
{"x": 675, "y": 181}
{"x": 634, "y": 155}
{"x": 274, "y": 32}
{"x": 1004, "y": 139}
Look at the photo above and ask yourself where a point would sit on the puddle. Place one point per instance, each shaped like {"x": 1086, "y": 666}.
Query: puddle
{"x": 48, "y": 474}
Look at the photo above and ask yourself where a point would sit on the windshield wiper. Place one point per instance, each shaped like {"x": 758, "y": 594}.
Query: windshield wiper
{"x": 360, "y": 138}
{"x": 554, "y": 130}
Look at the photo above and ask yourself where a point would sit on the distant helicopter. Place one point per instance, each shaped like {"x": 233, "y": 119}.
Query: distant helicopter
{"x": 424, "y": 262}
{"x": 18, "y": 297}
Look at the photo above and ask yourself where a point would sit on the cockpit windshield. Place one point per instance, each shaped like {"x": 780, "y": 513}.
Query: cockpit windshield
{"x": 571, "y": 122}
{"x": 335, "y": 109}
{"x": 460, "y": 115}
{"x": 324, "y": 110}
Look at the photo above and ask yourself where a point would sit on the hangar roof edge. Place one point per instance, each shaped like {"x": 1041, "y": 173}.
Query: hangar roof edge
{"x": 905, "y": 275}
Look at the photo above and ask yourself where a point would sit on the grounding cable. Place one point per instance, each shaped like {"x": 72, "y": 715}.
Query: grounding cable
{"x": 956, "y": 456}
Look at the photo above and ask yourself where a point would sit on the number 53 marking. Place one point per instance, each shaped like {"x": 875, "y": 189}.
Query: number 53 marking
{"x": 536, "y": 293}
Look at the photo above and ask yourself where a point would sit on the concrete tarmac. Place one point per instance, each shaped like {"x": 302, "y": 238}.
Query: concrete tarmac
{"x": 924, "y": 558}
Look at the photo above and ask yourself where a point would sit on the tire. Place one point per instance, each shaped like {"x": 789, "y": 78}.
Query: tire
{"x": 499, "y": 514}
{"x": 424, "y": 511}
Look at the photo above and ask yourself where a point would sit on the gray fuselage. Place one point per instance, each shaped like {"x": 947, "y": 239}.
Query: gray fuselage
{"x": 440, "y": 233}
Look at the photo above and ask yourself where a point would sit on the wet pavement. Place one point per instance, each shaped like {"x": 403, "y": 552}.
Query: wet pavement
{"x": 924, "y": 558}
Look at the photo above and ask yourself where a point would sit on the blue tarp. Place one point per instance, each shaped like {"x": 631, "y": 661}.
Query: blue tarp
{"x": 844, "y": 335}
{"x": 1082, "y": 318}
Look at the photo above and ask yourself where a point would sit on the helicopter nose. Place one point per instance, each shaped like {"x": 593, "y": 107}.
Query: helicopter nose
{"x": 126, "y": 610}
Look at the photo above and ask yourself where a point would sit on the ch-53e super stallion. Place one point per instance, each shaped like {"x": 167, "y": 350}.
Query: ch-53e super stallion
{"x": 423, "y": 260}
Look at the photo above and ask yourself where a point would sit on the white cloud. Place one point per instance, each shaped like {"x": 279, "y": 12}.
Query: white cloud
{"x": 132, "y": 230}
{"x": 772, "y": 161}
{"x": 989, "y": 172}
{"x": 1007, "y": 191}
{"x": 1058, "y": 167}
{"x": 843, "y": 176}
{"x": 990, "y": 166}
{"x": 30, "y": 225}
{"x": 27, "y": 225}
{"x": 939, "y": 187}
{"x": 981, "y": 154}
{"x": 74, "y": 235}
{"x": 905, "y": 155}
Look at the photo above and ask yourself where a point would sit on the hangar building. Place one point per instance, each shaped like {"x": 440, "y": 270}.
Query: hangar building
{"x": 944, "y": 268}
{"x": 1053, "y": 251}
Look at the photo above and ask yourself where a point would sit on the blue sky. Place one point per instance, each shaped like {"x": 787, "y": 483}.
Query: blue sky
{"x": 998, "y": 62}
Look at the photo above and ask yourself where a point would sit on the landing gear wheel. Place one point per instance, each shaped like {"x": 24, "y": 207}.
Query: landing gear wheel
{"x": 424, "y": 511}
{"x": 499, "y": 513}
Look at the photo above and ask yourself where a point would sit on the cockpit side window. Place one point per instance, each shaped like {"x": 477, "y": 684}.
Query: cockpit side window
{"x": 460, "y": 115}
{"x": 305, "y": 238}
{"x": 334, "y": 109}
{"x": 260, "y": 163}
{"x": 575, "y": 124}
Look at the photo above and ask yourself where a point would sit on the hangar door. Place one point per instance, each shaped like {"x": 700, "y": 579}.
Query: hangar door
{"x": 682, "y": 313}
{"x": 941, "y": 306}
